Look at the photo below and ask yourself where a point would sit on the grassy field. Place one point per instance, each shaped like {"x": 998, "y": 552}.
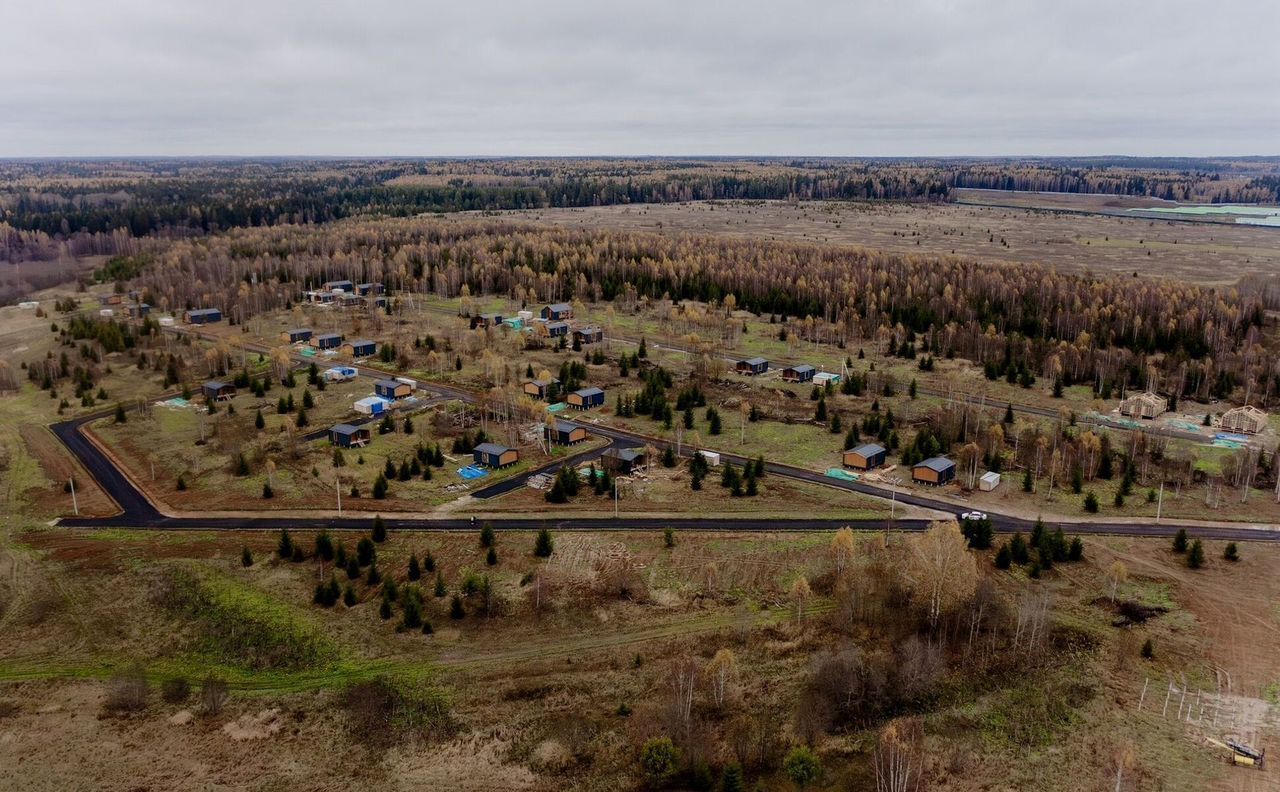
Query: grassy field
{"x": 1076, "y": 242}
{"x": 534, "y": 696}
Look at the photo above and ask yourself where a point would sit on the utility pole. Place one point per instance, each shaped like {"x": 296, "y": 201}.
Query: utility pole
{"x": 75, "y": 504}
{"x": 615, "y": 497}
{"x": 1160, "y": 500}
{"x": 337, "y": 487}
{"x": 893, "y": 498}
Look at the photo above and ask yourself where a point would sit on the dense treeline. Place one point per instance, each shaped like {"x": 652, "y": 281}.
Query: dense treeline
{"x": 177, "y": 197}
{"x": 1172, "y": 185}
{"x": 1113, "y": 332}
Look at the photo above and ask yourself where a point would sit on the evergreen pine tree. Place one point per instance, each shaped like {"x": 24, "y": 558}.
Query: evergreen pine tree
{"x": 1195, "y": 556}
{"x": 285, "y": 546}
{"x": 1004, "y": 558}
{"x": 366, "y": 553}
{"x": 1038, "y": 533}
{"x": 415, "y": 571}
{"x": 324, "y": 546}
{"x": 543, "y": 546}
{"x": 1076, "y": 551}
{"x": 1018, "y": 549}
{"x": 1105, "y": 470}
{"x": 731, "y": 779}
{"x": 412, "y": 617}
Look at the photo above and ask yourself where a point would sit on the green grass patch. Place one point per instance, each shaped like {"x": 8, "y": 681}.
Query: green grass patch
{"x": 1272, "y": 693}
{"x": 1033, "y": 713}
{"x": 241, "y": 626}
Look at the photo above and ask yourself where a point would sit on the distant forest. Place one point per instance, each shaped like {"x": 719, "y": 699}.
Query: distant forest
{"x": 55, "y": 200}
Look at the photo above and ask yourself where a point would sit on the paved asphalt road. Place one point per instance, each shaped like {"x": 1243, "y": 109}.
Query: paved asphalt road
{"x": 137, "y": 511}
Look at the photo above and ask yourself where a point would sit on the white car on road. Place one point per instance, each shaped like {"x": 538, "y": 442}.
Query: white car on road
{"x": 973, "y": 515}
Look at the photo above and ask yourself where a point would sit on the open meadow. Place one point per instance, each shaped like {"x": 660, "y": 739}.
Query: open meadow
{"x": 553, "y": 673}
{"x": 1149, "y": 247}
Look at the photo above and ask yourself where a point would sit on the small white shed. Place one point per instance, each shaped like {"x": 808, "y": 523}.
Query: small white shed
{"x": 371, "y": 405}
{"x": 712, "y": 457}
{"x": 989, "y": 481}
{"x": 107, "y": 312}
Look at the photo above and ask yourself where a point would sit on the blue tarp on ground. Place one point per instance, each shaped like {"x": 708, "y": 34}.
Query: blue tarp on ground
{"x": 1235, "y": 438}
{"x": 843, "y": 475}
{"x": 472, "y": 472}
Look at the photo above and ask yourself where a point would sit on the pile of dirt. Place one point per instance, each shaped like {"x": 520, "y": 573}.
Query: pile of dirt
{"x": 1131, "y": 612}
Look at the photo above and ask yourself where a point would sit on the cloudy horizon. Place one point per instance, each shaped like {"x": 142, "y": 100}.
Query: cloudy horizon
{"x": 576, "y": 78}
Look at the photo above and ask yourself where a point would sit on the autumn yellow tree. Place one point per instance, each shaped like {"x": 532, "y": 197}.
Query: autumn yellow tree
{"x": 843, "y": 547}
{"x": 721, "y": 673}
{"x": 941, "y": 570}
{"x": 800, "y": 593}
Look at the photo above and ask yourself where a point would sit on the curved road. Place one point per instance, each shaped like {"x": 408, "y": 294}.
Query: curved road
{"x": 136, "y": 510}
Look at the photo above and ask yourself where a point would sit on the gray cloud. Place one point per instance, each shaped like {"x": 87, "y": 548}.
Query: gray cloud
{"x": 924, "y": 77}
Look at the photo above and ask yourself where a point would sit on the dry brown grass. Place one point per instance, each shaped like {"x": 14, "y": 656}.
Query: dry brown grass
{"x": 536, "y": 697}
{"x": 1198, "y": 253}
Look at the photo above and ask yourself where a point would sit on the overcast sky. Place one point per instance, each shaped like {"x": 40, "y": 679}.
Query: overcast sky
{"x": 562, "y": 77}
